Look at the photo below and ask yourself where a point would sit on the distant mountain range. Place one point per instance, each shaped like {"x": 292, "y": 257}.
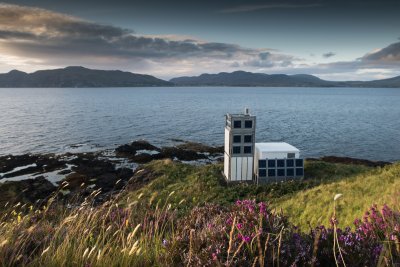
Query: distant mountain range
{"x": 243, "y": 78}
{"x": 83, "y": 77}
{"x": 78, "y": 77}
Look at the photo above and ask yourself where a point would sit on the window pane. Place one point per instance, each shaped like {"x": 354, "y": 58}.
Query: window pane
{"x": 271, "y": 173}
{"x": 290, "y": 172}
{"x": 248, "y": 124}
{"x": 247, "y": 149}
{"x": 291, "y": 155}
{"x": 280, "y": 163}
{"x": 236, "y": 150}
{"x": 237, "y": 138}
{"x": 262, "y": 164}
{"x": 237, "y": 124}
{"x": 271, "y": 163}
{"x": 290, "y": 163}
{"x": 281, "y": 172}
{"x": 262, "y": 173}
{"x": 248, "y": 138}
{"x": 299, "y": 172}
{"x": 299, "y": 162}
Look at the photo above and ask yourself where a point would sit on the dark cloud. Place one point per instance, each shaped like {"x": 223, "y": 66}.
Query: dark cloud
{"x": 38, "y": 31}
{"x": 270, "y": 60}
{"x": 389, "y": 54}
{"x": 329, "y": 54}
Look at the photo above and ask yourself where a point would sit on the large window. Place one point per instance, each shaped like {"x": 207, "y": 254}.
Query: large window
{"x": 280, "y": 163}
{"x": 237, "y": 138}
{"x": 262, "y": 173}
{"x": 247, "y": 149}
{"x": 248, "y": 124}
{"x": 271, "y": 173}
{"x": 290, "y": 172}
{"x": 248, "y": 138}
{"x": 290, "y": 163}
{"x": 237, "y": 124}
{"x": 262, "y": 163}
{"x": 299, "y": 162}
{"x": 236, "y": 150}
{"x": 281, "y": 172}
{"x": 290, "y": 168}
{"x": 271, "y": 163}
{"x": 299, "y": 171}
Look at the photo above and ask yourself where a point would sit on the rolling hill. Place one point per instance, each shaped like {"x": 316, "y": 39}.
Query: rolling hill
{"x": 243, "y": 78}
{"x": 78, "y": 77}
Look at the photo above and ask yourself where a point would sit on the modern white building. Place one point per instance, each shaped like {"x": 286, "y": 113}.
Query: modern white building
{"x": 247, "y": 161}
{"x": 275, "y": 162}
{"x": 239, "y": 147}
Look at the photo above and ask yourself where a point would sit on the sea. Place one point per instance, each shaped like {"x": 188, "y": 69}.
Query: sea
{"x": 354, "y": 122}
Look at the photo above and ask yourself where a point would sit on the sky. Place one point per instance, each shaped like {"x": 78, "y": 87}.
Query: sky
{"x": 332, "y": 39}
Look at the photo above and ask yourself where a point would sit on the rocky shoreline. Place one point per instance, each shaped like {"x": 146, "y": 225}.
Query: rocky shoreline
{"x": 31, "y": 178}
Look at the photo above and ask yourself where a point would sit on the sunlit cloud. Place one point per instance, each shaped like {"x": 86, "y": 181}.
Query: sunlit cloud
{"x": 34, "y": 38}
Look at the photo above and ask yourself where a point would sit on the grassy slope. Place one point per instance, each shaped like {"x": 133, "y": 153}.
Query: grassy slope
{"x": 305, "y": 201}
{"x": 379, "y": 186}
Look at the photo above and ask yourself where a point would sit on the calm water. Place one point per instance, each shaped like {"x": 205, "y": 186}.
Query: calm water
{"x": 363, "y": 123}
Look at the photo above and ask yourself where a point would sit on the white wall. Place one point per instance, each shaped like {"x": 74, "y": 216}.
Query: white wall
{"x": 227, "y": 136}
{"x": 241, "y": 168}
{"x": 226, "y": 165}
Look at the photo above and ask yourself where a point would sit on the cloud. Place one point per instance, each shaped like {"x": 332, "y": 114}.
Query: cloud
{"x": 42, "y": 32}
{"x": 329, "y": 54}
{"x": 33, "y": 38}
{"x": 249, "y": 8}
{"x": 56, "y": 39}
{"x": 389, "y": 54}
{"x": 270, "y": 60}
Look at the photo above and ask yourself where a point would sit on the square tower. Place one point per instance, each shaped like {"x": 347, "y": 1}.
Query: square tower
{"x": 239, "y": 147}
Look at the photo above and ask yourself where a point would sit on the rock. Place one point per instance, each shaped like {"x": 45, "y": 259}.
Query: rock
{"x": 131, "y": 149}
{"x": 178, "y": 153}
{"x": 64, "y": 172}
{"x": 201, "y": 148}
{"x": 143, "y": 158}
{"x": 39, "y": 164}
{"x": 188, "y": 151}
{"x": 10, "y": 162}
{"x": 25, "y": 191}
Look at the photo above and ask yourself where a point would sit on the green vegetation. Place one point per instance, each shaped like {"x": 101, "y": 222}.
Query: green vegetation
{"x": 197, "y": 185}
{"x": 377, "y": 186}
{"x": 183, "y": 215}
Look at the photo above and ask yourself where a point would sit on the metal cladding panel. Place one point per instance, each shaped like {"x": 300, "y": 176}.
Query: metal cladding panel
{"x": 239, "y": 168}
{"x": 227, "y": 141}
{"x": 226, "y": 165}
{"x": 244, "y": 168}
{"x": 233, "y": 169}
{"x": 249, "y": 168}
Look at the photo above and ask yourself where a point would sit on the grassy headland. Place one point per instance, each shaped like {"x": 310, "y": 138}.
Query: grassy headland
{"x": 175, "y": 214}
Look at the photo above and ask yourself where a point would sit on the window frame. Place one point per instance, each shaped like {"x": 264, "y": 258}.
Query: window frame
{"x": 248, "y": 135}
{"x": 246, "y": 122}
{"x": 236, "y": 147}
{"x": 247, "y": 147}
{"x": 237, "y": 124}
{"x": 235, "y": 141}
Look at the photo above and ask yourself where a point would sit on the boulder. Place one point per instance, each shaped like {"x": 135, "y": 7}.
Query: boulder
{"x": 25, "y": 191}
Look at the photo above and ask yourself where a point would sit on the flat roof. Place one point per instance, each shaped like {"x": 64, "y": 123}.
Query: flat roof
{"x": 276, "y": 147}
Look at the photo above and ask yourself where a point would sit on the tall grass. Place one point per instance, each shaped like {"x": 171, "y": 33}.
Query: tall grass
{"x": 161, "y": 229}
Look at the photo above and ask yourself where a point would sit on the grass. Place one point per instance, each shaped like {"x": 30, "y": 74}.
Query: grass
{"x": 185, "y": 216}
{"x": 197, "y": 185}
{"x": 314, "y": 206}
